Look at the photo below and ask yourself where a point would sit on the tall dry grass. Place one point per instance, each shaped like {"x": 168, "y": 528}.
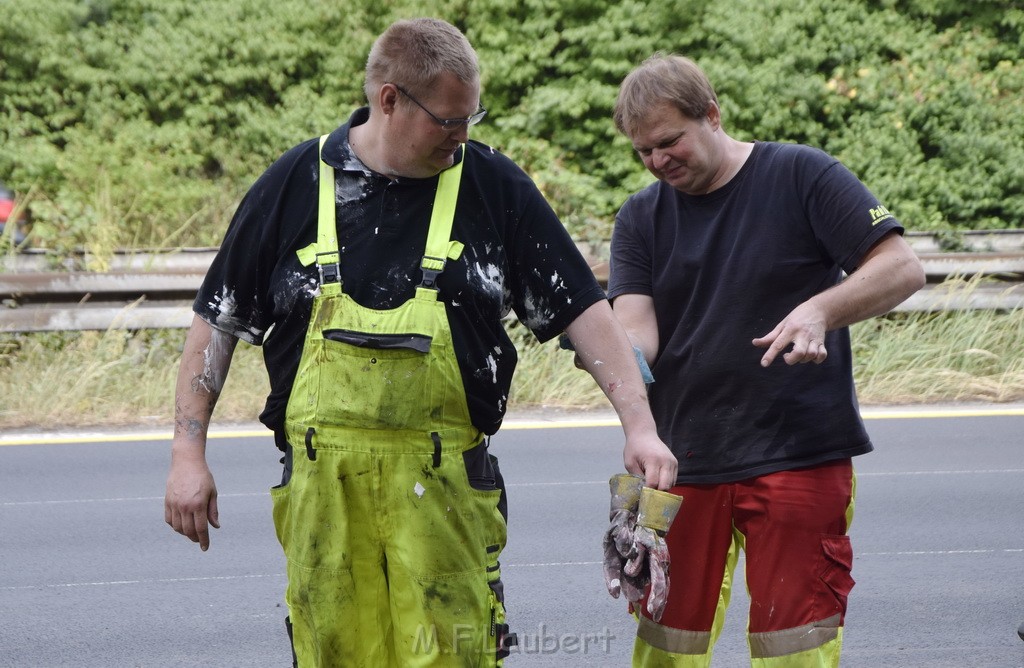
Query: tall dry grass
{"x": 58, "y": 380}
{"x": 118, "y": 378}
{"x": 948, "y": 356}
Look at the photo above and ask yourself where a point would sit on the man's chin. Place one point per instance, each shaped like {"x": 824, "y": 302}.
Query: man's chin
{"x": 684, "y": 182}
{"x": 445, "y": 160}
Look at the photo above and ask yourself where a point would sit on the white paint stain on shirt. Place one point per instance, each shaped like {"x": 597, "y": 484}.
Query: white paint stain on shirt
{"x": 557, "y": 283}
{"x": 492, "y": 365}
{"x": 224, "y": 304}
{"x": 489, "y": 279}
{"x": 352, "y": 189}
{"x": 299, "y": 282}
{"x": 538, "y": 311}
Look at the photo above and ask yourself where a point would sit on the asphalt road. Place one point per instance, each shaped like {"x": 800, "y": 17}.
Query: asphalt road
{"x": 90, "y": 576}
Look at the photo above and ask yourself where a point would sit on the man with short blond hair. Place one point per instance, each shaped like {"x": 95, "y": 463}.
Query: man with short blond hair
{"x": 728, "y": 274}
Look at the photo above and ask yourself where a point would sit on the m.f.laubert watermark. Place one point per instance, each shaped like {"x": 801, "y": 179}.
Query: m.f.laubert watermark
{"x": 464, "y": 638}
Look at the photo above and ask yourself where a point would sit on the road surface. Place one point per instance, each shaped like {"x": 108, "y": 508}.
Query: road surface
{"x": 90, "y": 576}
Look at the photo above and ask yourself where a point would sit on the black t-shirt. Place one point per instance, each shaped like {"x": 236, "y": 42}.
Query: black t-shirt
{"x": 518, "y": 257}
{"x": 727, "y": 267}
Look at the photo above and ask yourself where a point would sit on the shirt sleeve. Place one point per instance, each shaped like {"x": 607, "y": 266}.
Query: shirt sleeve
{"x": 630, "y": 262}
{"x": 846, "y": 217}
{"x": 236, "y": 295}
{"x": 552, "y": 283}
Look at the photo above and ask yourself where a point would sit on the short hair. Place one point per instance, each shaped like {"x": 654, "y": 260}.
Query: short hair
{"x": 662, "y": 78}
{"x": 414, "y": 53}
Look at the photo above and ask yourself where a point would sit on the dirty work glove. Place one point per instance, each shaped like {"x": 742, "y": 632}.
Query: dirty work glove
{"x": 649, "y": 558}
{"x": 618, "y": 539}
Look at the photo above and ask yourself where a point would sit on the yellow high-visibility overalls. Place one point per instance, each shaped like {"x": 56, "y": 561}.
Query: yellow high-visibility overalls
{"x": 392, "y": 552}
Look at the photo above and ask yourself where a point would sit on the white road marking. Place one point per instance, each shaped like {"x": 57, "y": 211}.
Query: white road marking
{"x": 566, "y": 483}
{"x": 548, "y": 564}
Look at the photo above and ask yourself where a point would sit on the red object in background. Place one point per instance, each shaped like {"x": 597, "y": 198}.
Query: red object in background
{"x": 7, "y": 206}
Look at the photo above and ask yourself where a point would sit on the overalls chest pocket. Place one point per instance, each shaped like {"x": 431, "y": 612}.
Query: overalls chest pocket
{"x": 374, "y": 380}
{"x": 414, "y": 342}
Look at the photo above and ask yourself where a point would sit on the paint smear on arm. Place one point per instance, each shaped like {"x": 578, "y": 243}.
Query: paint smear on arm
{"x": 215, "y": 367}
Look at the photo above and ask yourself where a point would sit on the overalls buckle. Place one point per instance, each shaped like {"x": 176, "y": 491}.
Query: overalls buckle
{"x": 432, "y": 268}
{"x": 329, "y": 273}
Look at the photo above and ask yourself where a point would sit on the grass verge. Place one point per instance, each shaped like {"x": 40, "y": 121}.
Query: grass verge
{"x": 72, "y": 379}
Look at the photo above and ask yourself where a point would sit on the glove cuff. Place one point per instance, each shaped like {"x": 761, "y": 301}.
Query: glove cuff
{"x": 625, "y": 489}
{"x": 658, "y": 509}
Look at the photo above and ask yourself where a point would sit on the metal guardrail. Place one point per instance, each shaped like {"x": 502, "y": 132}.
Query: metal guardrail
{"x": 155, "y": 290}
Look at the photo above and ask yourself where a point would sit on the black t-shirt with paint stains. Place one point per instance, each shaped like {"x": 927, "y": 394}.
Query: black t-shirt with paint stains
{"x": 518, "y": 257}
{"x": 725, "y": 268}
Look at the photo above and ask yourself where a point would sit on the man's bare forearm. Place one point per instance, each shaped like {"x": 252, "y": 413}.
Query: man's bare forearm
{"x": 638, "y": 318}
{"x": 606, "y": 353}
{"x": 888, "y": 275}
{"x": 205, "y": 361}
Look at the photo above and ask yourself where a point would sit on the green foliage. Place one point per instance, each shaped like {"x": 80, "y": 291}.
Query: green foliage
{"x": 952, "y": 148}
{"x": 141, "y": 123}
{"x": 552, "y": 71}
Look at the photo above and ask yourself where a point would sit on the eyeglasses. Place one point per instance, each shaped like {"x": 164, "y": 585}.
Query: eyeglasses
{"x": 447, "y": 124}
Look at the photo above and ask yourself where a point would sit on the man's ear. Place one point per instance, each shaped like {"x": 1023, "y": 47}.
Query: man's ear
{"x": 714, "y": 115}
{"x": 387, "y": 98}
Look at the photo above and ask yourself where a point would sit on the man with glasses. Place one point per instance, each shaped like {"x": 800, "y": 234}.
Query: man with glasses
{"x": 375, "y": 266}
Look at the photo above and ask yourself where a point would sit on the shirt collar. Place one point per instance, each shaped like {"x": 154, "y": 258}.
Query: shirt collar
{"x": 338, "y": 152}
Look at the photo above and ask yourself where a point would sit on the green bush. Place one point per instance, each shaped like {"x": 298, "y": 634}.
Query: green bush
{"x": 140, "y": 123}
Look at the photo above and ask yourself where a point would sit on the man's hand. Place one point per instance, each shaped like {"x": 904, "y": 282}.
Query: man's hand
{"x": 804, "y": 328}
{"x": 649, "y": 457}
{"x": 190, "y": 505}
{"x": 889, "y": 272}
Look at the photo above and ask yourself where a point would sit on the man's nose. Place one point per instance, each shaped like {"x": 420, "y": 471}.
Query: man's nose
{"x": 461, "y": 134}
{"x": 659, "y": 158}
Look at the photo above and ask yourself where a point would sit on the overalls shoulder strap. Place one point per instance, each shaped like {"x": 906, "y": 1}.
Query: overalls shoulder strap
{"x": 327, "y": 256}
{"x": 440, "y": 247}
